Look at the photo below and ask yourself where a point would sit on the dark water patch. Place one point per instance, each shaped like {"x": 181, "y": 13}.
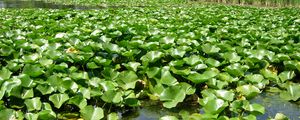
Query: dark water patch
{"x": 274, "y": 104}
{"x": 49, "y": 5}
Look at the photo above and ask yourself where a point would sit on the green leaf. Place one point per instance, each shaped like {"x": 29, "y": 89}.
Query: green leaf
{"x": 167, "y": 117}
{"x": 232, "y": 57}
{"x": 254, "y": 78}
{"x": 152, "y": 57}
{"x": 132, "y": 102}
{"x": 292, "y": 92}
{"x": 132, "y": 66}
{"x": 4, "y": 74}
{"x": 286, "y": 75}
{"x": 26, "y": 81}
{"x": 215, "y": 106}
{"x": 45, "y": 89}
{"x": 152, "y": 72}
{"x": 79, "y": 101}
{"x": 249, "y": 91}
{"x": 236, "y": 69}
{"x": 225, "y": 94}
{"x": 58, "y": 99}
{"x": 193, "y": 60}
{"x": 209, "y": 49}
{"x": 212, "y": 62}
{"x": 31, "y": 58}
{"x": 127, "y": 80}
{"x": 47, "y": 115}
{"x": 172, "y": 96}
{"x": 6, "y": 50}
{"x": 33, "y": 70}
{"x": 7, "y": 114}
{"x": 46, "y": 62}
{"x": 271, "y": 75}
{"x": 167, "y": 78}
{"x": 31, "y": 116}
{"x": 177, "y": 53}
{"x": 27, "y": 93}
{"x": 79, "y": 76}
{"x": 256, "y": 108}
{"x": 280, "y": 116}
{"x": 33, "y": 104}
{"x": 113, "y": 116}
{"x": 112, "y": 96}
{"x": 200, "y": 78}
{"x": 92, "y": 65}
{"x": 92, "y": 113}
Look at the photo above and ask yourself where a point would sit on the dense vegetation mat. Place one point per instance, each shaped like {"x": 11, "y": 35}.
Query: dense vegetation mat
{"x": 89, "y": 64}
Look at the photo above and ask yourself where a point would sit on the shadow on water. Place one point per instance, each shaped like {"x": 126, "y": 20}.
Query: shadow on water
{"x": 42, "y": 4}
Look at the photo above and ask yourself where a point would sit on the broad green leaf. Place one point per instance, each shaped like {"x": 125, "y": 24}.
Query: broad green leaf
{"x": 79, "y": 101}
{"x": 47, "y": 115}
{"x": 113, "y": 116}
{"x": 256, "y": 108}
{"x": 249, "y": 91}
{"x": 27, "y": 93}
{"x": 209, "y": 49}
{"x": 92, "y": 113}
{"x": 4, "y": 74}
{"x": 152, "y": 72}
{"x": 200, "y": 78}
{"x": 31, "y": 58}
{"x": 58, "y": 99}
{"x": 232, "y": 57}
{"x": 167, "y": 78}
{"x": 193, "y": 60}
{"x": 177, "y": 53}
{"x": 280, "y": 116}
{"x": 215, "y": 106}
{"x": 31, "y": 116}
{"x": 189, "y": 90}
{"x": 26, "y": 81}
{"x": 236, "y": 69}
{"x": 225, "y": 94}
{"x": 292, "y": 92}
{"x": 6, "y": 50}
{"x": 212, "y": 62}
{"x": 33, "y": 70}
{"x": 271, "y": 75}
{"x": 132, "y": 66}
{"x": 286, "y": 75}
{"x": 132, "y": 102}
{"x": 45, "y": 89}
{"x": 46, "y": 62}
{"x": 112, "y": 96}
{"x": 33, "y": 104}
{"x": 172, "y": 96}
{"x": 167, "y": 117}
{"x": 152, "y": 57}
{"x": 92, "y": 65}
{"x": 127, "y": 80}
{"x": 79, "y": 76}
{"x": 7, "y": 114}
{"x": 254, "y": 78}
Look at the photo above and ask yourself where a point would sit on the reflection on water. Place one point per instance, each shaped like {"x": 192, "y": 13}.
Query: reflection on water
{"x": 41, "y": 4}
{"x": 274, "y": 104}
